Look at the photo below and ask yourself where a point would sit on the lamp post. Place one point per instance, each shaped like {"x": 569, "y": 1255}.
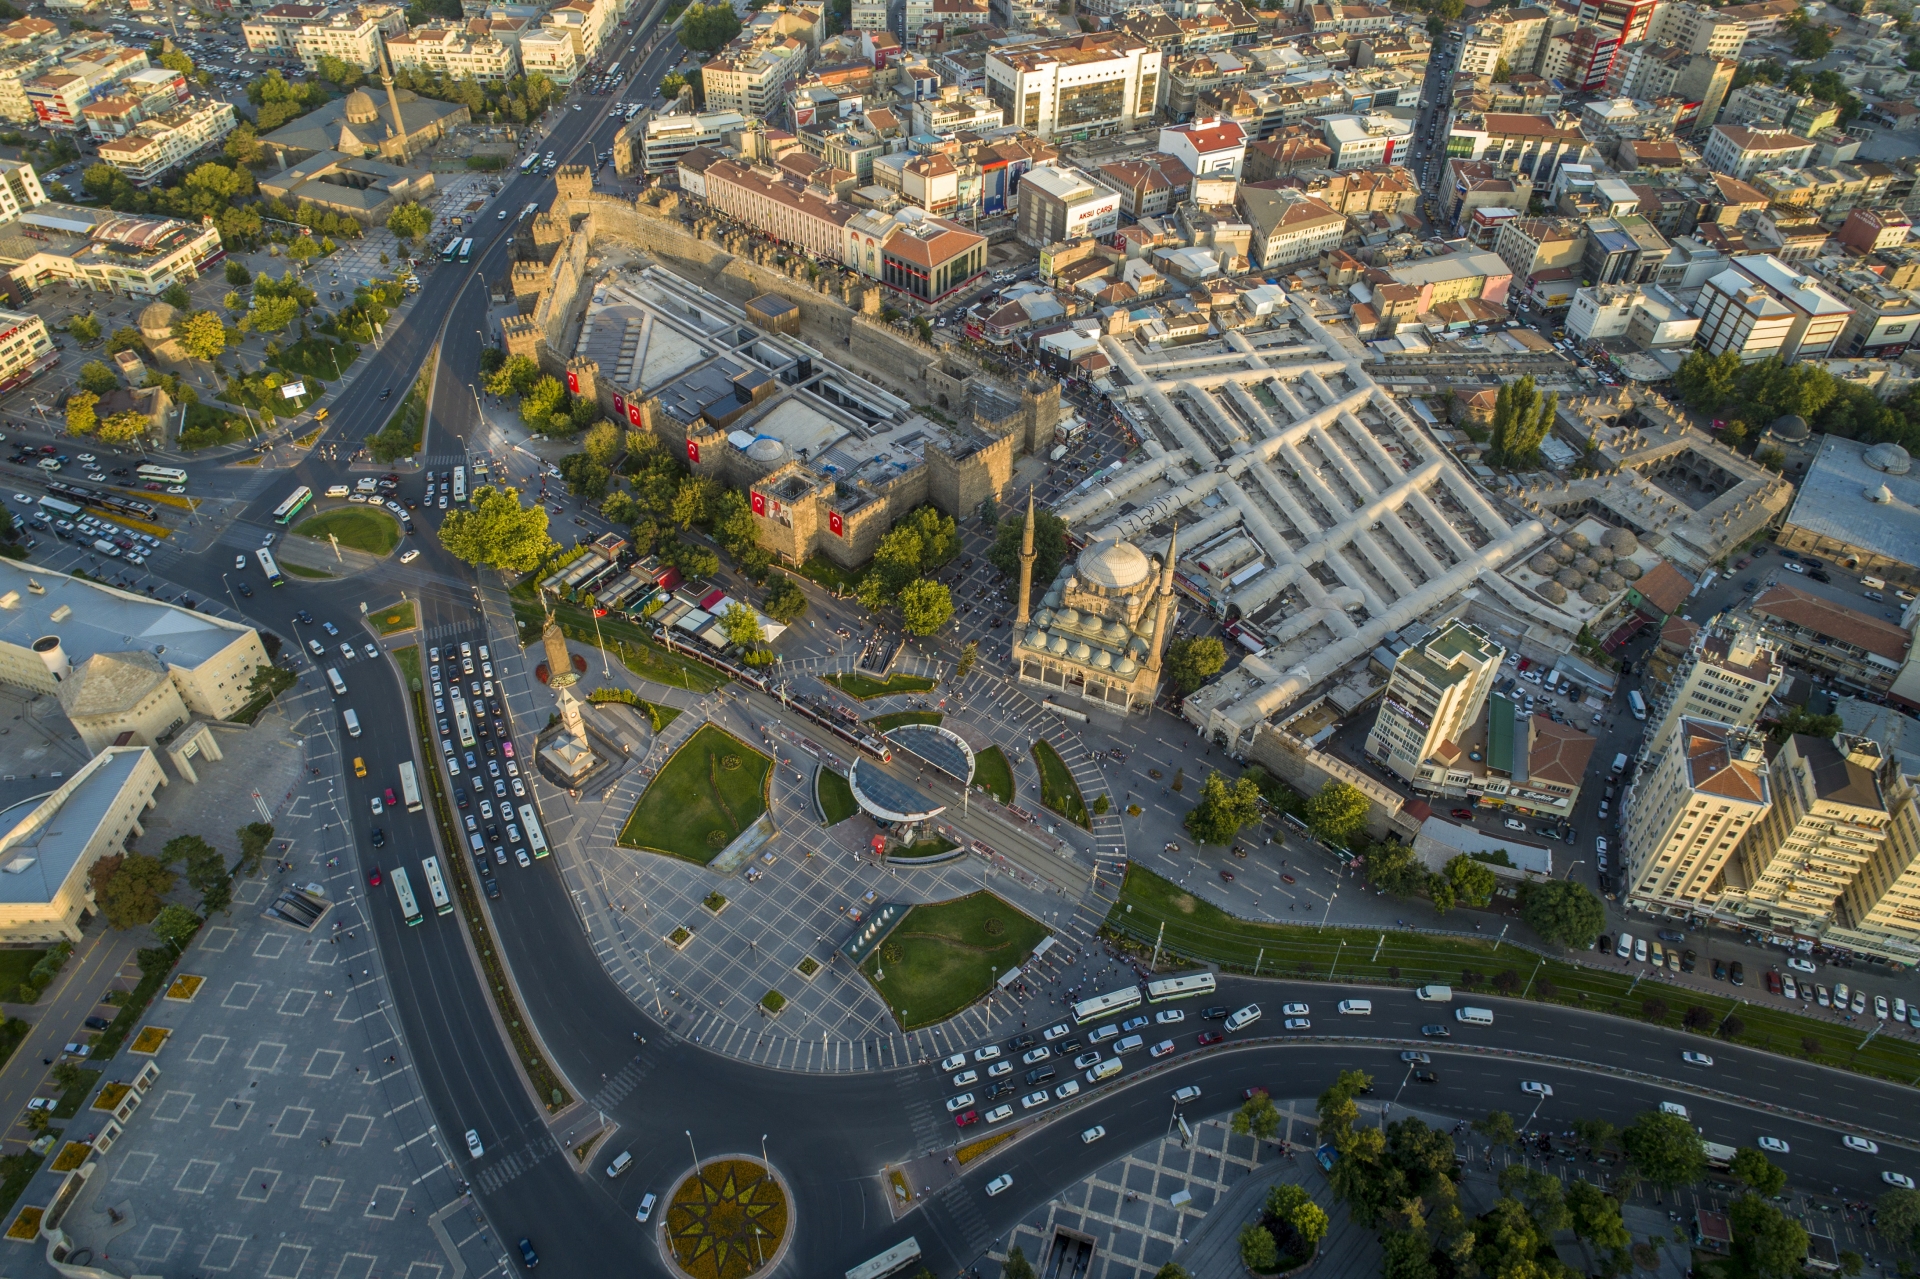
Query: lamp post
{"x": 696, "y": 1153}
{"x": 1576, "y": 861}
{"x": 1328, "y": 911}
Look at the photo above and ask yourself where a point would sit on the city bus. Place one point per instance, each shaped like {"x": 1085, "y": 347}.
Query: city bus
{"x": 1102, "y": 1005}
{"x": 295, "y": 503}
{"x": 452, "y": 250}
{"x": 530, "y": 823}
{"x": 462, "y": 722}
{"x": 890, "y": 1262}
{"x": 408, "y": 907}
{"x": 409, "y": 786}
{"x": 162, "y": 474}
{"x": 1182, "y": 987}
{"x": 613, "y": 72}
{"x": 54, "y": 506}
{"x": 268, "y": 567}
{"x": 436, "y": 887}
{"x": 466, "y": 249}
{"x": 459, "y": 484}
{"x": 529, "y": 164}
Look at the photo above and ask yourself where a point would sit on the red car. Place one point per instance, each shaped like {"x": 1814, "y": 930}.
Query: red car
{"x": 393, "y": 801}
{"x": 373, "y": 877}
{"x": 1210, "y": 1037}
{"x": 1773, "y": 983}
{"x": 1251, "y": 1093}
{"x": 1464, "y": 814}
{"x": 966, "y": 1117}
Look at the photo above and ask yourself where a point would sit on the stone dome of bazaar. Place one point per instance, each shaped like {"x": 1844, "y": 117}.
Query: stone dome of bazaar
{"x": 1114, "y": 565}
{"x": 157, "y": 318}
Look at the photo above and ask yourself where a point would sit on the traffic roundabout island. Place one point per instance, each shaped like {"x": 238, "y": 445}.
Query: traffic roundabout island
{"x": 729, "y": 1218}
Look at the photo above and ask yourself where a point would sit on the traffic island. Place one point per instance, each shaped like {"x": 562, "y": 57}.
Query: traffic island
{"x": 707, "y": 795}
{"x": 943, "y": 957}
{"x": 727, "y": 1219}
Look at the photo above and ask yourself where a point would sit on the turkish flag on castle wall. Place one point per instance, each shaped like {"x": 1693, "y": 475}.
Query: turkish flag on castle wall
{"x": 573, "y": 382}
{"x": 633, "y": 413}
{"x": 835, "y": 523}
{"x": 619, "y": 404}
{"x": 759, "y": 502}
{"x": 693, "y": 450}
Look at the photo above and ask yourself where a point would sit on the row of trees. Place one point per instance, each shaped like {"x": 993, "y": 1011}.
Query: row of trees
{"x": 1521, "y": 419}
{"x": 1559, "y": 910}
{"x": 519, "y": 99}
{"x": 1336, "y": 813}
{"x": 129, "y": 887}
{"x": 545, "y": 404}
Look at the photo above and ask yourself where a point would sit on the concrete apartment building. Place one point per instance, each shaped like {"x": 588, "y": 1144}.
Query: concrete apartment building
{"x": 1727, "y": 675}
{"x": 550, "y": 52}
{"x": 1366, "y": 141}
{"x": 157, "y": 146}
{"x": 584, "y": 22}
{"x": 1740, "y": 152}
{"x": 455, "y": 53}
{"x": 49, "y": 843}
{"x": 1856, "y": 651}
{"x": 26, "y": 349}
{"x": 1058, "y": 205}
{"x": 58, "y": 97}
{"x": 1827, "y": 822}
{"x": 1288, "y": 226}
{"x": 354, "y": 35}
{"x": 1102, "y": 83}
{"x": 1535, "y": 144}
{"x": 1759, "y": 306}
{"x": 1659, "y": 71}
{"x": 754, "y": 82}
{"x": 1437, "y": 691}
{"x": 1697, "y": 28}
{"x": 1880, "y": 909}
{"x": 1687, "y": 812}
{"x": 1210, "y": 148}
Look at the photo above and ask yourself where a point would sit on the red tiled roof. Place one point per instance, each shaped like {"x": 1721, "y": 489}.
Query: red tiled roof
{"x": 1834, "y": 621}
{"x": 1664, "y": 587}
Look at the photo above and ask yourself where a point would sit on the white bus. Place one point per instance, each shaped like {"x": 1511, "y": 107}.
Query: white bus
{"x": 530, "y": 822}
{"x": 1183, "y": 987}
{"x": 462, "y": 722}
{"x": 408, "y": 906}
{"x": 162, "y": 474}
{"x": 436, "y": 887}
{"x": 60, "y": 510}
{"x": 1102, "y": 1005}
{"x": 892, "y": 1261}
{"x": 295, "y": 503}
{"x": 409, "y": 786}
{"x": 459, "y": 484}
{"x": 530, "y": 163}
{"x": 268, "y": 567}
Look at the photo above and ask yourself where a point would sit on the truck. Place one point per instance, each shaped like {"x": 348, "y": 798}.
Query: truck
{"x": 1619, "y": 764}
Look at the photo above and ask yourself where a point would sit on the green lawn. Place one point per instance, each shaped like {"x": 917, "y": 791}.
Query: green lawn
{"x": 393, "y": 620}
{"x": 991, "y": 770}
{"x": 360, "y": 528}
{"x": 634, "y": 647}
{"x": 403, "y": 431}
{"x": 829, "y": 575}
{"x": 1201, "y": 933}
{"x": 698, "y": 803}
{"x": 945, "y": 956}
{"x": 881, "y": 723}
{"x": 301, "y": 570}
{"x": 14, "y": 967}
{"x": 1058, "y": 790}
{"x": 71, "y": 1099}
{"x": 864, "y": 687}
{"x": 206, "y": 426}
{"x": 316, "y": 357}
{"x": 836, "y": 797}
{"x": 409, "y": 660}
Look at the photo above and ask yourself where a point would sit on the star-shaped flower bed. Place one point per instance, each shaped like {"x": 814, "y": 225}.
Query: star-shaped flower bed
{"x": 727, "y": 1220}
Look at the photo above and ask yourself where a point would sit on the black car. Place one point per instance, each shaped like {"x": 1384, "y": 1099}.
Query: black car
{"x": 1719, "y": 970}
{"x": 527, "y": 1254}
{"x": 460, "y": 796}
{"x": 1687, "y": 960}
{"x": 999, "y": 1087}
{"x": 1219, "y": 1012}
{"x": 1022, "y": 1042}
{"x": 245, "y": 590}
{"x": 1737, "y": 974}
{"x": 1820, "y": 575}
{"x": 492, "y": 886}
{"x": 1425, "y": 1077}
{"x": 1436, "y": 1030}
{"x": 379, "y": 838}
{"x": 97, "y": 1023}
{"x": 306, "y": 618}
{"x": 1040, "y": 1075}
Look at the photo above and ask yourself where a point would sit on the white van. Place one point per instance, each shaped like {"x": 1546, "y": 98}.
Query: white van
{"x": 1103, "y": 1034}
{"x": 1474, "y": 1016}
{"x": 352, "y": 721}
{"x": 621, "y": 1162}
{"x": 1130, "y": 1044}
{"x": 1105, "y": 1070}
{"x": 365, "y": 485}
{"x": 1675, "y": 1108}
{"x": 337, "y": 490}
{"x": 1873, "y": 583}
{"x": 1435, "y": 994}
{"x": 339, "y": 685}
{"x": 1357, "y": 1007}
{"x": 1637, "y": 704}
{"x": 1245, "y": 1017}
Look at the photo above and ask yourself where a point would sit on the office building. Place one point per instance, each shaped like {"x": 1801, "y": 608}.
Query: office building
{"x": 1210, "y": 148}
{"x": 1740, "y": 152}
{"x": 1436, "y": 693}
{"x": 1688, "y": 810}
{"x": 1289, "y": 226}
{"x": 1535, "y": 144}
{"x": 1056, "y": 205}
{"x": 1759, "y": 306}
{"x": 1097, "y": 84}
{"x": 669, "y": 137}
{"x": 164, "y": 143}
{"x": 1856, "y": 651}
{"x": 50, "y": 842}
{"x": 754, "y": 82}
{"x": 1827, "y": 822}
{"x": 26, "y": 350}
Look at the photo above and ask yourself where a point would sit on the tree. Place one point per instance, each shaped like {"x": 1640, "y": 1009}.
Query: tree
{"x": 1292, "y": 1204}
{"x": 671, "y": 84}
{"x": 496, "y": 530}
{"x": 1049, "y": 546}
{"x": 176, "y": 925}
{"x": 85, "y": 328}
{"x": 969, "y": 654}
{"x": 1594, "y": 1215}
{"x": 785, "y": 602}
{"x": 742, "y": 627}
{"x": 203, "y": 864}
{"x": 1521, "y": 419}
{"x": 1191, "y": 662}
{"x": 1757, "y": 1173}
{"x": 1472, "y": 882}
{"x": 705, "y": 27}
{"x": 1393, "y": 867}
{"x": 1900, "y": 1215}
{"x": 1706, "y": 382}
{"x": 1337, "y": 812}
{"x": 1767, "y": 1243}
{"x": 1407, "y": 1255}
{"x": 515, "y": 377}
{"x": 1172, "y": 1270}
{"x": 98, "y": 377}
{"x": 201, "y": 335}
{"x": 271, "y": 315}
{"x": 254, "y": 838}
{"x": 1812, "y": 42}
{"x": 1498, "y": 1128}
{"x": 1562, "y": 911}
{"x": 1802, "y": 721}
{"x": 1664, "y": 1149}
{"x": 81, "y": 418}
{"x": 409, "y": 221}
{"x": 132, "y": 896}
{"x": 602, "y": 443}
{"x": 925, "y": 606}
{"x": 237, "y": 273}
{"x": 1598, "y": 1134}
{"x": 1441, "y": 893}
{"x": 1223, "y": 809}
{"x": 1257, "y": 1116}
{"x": 303, "y": 249}
{"x": 1258, "y": 1250}
{"x": 1017, "y": 1267}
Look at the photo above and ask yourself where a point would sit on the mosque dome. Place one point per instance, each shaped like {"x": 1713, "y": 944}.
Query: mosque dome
{"x": 1790, "y": 427}
{"x": 1125, "y": 666}
{"x": 1115, "y": 632}
{"x": 1057, "y": 644}
{"x": 1067, "y": 617}
{"x": 1890, "y": 458}
{"x": 1102, "y": 659}
{"x": 1036, "y": 639}
{"x": 1080, "y": 651}
{"x": 1620, "y": 541}
{"x": 1043, "y": 618}
{"x": 766, "y": 449}
{"x": 360, "y": 108}
{"x": 1114, "y": 565}
{"x": 157, "y": 320}
{"x": 1878, "y": 493}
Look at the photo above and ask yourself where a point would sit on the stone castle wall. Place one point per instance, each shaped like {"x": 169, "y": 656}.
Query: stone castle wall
{"x": 1307, "y": 770}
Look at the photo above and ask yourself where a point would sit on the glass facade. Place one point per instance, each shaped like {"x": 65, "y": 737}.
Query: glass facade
{"x": 1089, "y": 104}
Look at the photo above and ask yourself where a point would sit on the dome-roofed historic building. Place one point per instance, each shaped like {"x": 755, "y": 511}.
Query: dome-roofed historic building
{"x": 1100, "y": 629}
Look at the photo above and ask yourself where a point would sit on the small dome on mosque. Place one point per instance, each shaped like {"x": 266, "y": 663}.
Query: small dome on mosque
{"x": 1102, "y": 659}
{"x": 1080, "y": 651}
{"x": 1125, "y": 666}
{"x": 1057, "y": 644}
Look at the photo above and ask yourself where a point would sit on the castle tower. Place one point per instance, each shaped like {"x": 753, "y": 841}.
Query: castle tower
{"x": 1026, "y": 564}
{"x": 560, "y": 671}
{"x": 1163, "y": 612}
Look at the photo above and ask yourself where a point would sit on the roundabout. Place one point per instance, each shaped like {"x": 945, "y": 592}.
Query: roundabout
{"x": 728, "y": 1218}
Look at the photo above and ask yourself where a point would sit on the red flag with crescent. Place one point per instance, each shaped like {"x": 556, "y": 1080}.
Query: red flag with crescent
{"x": 633, "y": 413}
{"x": 836, "y": 524}
{"x": 759, "y": 503}
{"x": 693, "y": 450}
{"x": 573, "y": 382}
{"x": 619, "y": 404}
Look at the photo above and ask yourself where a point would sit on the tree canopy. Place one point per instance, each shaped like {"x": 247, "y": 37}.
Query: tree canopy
{"x": 409, "y": 221}
{"x": 1049, "y": 546}
{"x": 1521, "y": 419}
{"x": 706, "y": 27}
{"x": 1563, "y": 911}
{"x": 1337, "y": 812}
{"x": 131, "y": 894}
{"x": 1192, "y": 661}
{"x": 81, "y": 415}
{"x": 925, "y": 606}
{"x": 1223, "y": 809}
{"x": 1664, "y": 1149}
{"x": 497, "y": 531}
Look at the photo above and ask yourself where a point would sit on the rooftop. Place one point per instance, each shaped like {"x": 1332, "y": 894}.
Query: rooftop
{"x": 100, "y": 619}
{"x": 1835, "y": 621}
{"x": 44, "y": 837}
{"x": 1841, "y": 498}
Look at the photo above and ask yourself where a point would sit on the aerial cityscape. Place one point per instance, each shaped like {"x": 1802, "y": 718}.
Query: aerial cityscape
{"x": 1080, "y": 639}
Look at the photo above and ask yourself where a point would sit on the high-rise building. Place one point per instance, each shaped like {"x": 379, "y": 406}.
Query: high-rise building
{"x": 1687, "y": 813}
{"x": 1436, "y": 694}
{"x": 1727, "y": 674}
{"x": 1828, "y": 821}
{"x": 1880, "y": 911}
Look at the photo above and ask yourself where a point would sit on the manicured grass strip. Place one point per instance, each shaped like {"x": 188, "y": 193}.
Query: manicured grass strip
{"x": 711, "y": 790}
{"x": 408, "y": 659}
{"x": 991, "y": 770}
{"x": 71, "y": 1099}
{"x": 657, "y": 715}
{"x": 836, "y": 797}
{"x": 359, "y": 528}
{"x": 15, "y": 1172}
{"x": 830, "y": 575}
{"x": 1058, "y": 790}
{"x": 14, "y": 967}
{"x": 881, "y": 723}
{"x": 1198, "y": 932}
{"x": 156, "y": 974}
{"x": 301, "y": 570}
{"x": 854, "y": 684}
{"x": 634, "y": 647}
{"x": 391, "y": 621}
{"x": 944, "y": 956}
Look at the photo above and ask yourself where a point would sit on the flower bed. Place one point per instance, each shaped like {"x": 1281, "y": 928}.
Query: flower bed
{"x": 973, "y": 1150}
{"x": 773, "y": 1001}
{"x": 111, "y": 1096}
{"x": 808, "y": 968}
{"x": 150, "y": 1041}
{"x": 71, "y": 1156}
{"x": 185, "y": 987}
{"x": 727, "y": 1220}
{"x": 715, "y": 903}
{"x": 679, "y": 937}
{"x": 26, "y": 1226}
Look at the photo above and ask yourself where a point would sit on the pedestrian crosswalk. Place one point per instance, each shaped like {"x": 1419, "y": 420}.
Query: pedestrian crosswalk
{"x": 516, "y": 1163}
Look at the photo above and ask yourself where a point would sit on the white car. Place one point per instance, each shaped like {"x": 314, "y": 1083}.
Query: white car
{"x": 1005, "y": 1180}
{"x": 990, "y": 1053}
{"x": 954, "y": 1062}
{"x": 1801, "y": 965}
{"x": 1187, "y": 1094}
{"x": 474, "y": 1147}
{"x": 966, "y": 1078}
{"x": 1880, "y": 1007}
{"x": 1067, "y": 1089}
{"x": 998, "y": 1113}
{"x": 1294, "y": 1010}
{"x": 378, "y": 807}
{"x": 1093, "y": 1134}
{"x": 1861, "y": 1144}
{"x": 1035, "y": 1055}
{"x": 1600, "y": 844}
{"x": 1773, "y": 1145}
{"x": 957, "y": 1104}
{"x": 1033, "y": 1099}
{"x": 1625, "y": 947}
{"x": 409, "y": 557}
{"x": 1171, "y": 1017}
{"x": 1640, "y": 949}
{"x": 239, "y": 561}
{"x": 1297, "y": 1023}
{"x": 645, "y": 1210}
{"x": 1537, "y": 1088}
{"x": 1899, "y": 1179}
{"x": 1162, "y": 1049}
{"x": 1696, "y": 1059}
{"x": 999, "y": 1068}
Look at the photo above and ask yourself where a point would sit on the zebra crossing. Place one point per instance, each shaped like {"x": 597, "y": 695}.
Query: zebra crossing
{"x": 957, "y": 1203}
{"x": 516, "y": 1163}
{"x": 624, "y": 1081}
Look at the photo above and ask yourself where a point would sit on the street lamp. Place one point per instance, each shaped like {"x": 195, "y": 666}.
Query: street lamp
{"x": 1576, "y": 861}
